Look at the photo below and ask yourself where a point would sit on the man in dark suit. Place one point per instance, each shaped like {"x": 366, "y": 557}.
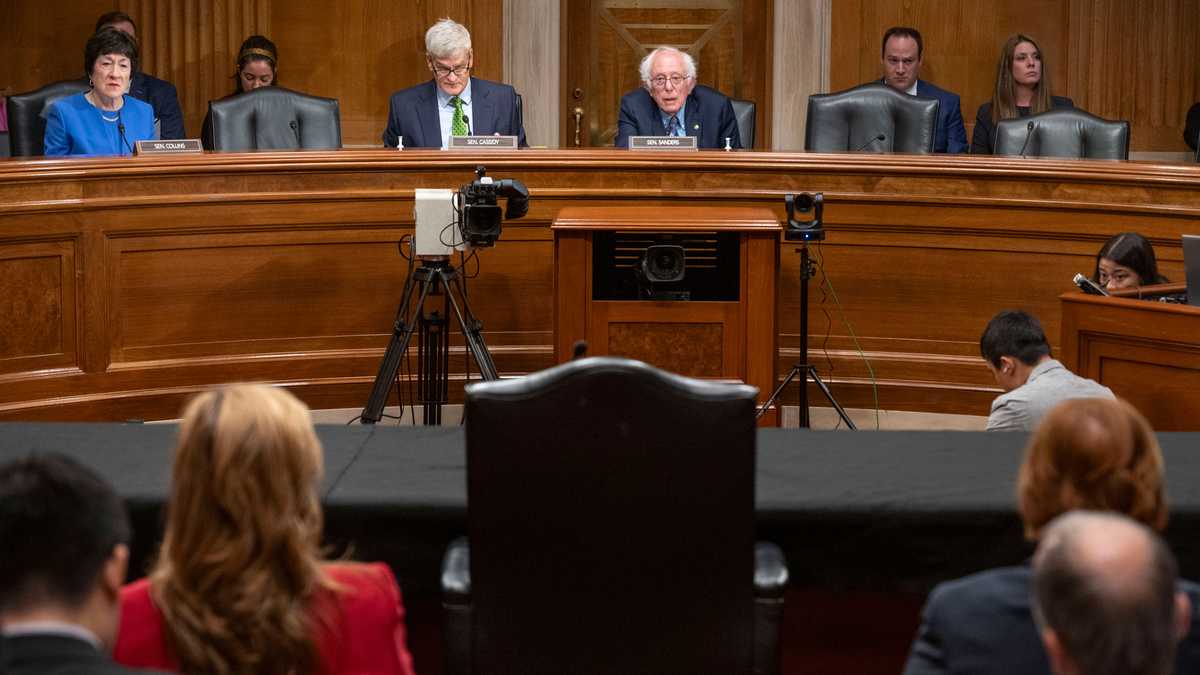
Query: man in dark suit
{"x": 670, "y": 103}
{"x": 453, "y": 103}
{"x": 160, "y": 94}
{"x": 66, "y": 538}
{"x": 901, "y": 55}
{"x": 1107, "y": 597}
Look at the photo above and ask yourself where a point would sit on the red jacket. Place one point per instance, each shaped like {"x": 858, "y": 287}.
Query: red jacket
{"x": 366, "y": 634}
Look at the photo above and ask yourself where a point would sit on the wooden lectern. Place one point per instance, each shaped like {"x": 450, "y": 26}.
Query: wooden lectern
{"x": 732, "y": 338}
{"x": 1147, "y": 352}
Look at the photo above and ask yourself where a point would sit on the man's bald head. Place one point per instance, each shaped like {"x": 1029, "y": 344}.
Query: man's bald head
{"x": 1106, "y": 597}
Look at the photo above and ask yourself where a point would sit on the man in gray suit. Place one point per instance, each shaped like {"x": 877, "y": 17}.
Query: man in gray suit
{"x": 1017, "y": 353}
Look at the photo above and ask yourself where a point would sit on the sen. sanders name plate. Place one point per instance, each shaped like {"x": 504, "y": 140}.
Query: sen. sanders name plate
{"x": 662, "y": 143}
{"x": 483, "y": 143}
{"x": 169, "y": 147}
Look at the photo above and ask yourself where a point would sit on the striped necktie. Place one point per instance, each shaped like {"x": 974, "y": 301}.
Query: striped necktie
{"x": 673, "y": 125}
{"x": 458, "y": 125}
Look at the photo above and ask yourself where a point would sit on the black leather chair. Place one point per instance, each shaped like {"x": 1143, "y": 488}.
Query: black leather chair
{"x": 744, "y": 111}
{"x": 870, "y": 118}
{"x": 611, "y": 528}
{"x": 273, "y": 118}
{"x": 26, "y": 121}
{"x": 1064, "y": 132}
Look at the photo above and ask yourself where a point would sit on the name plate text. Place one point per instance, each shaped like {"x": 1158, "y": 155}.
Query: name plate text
{"x": 168, "y": 147}
{"x": 483, "y": 142}
{"x": 662, "y": 143}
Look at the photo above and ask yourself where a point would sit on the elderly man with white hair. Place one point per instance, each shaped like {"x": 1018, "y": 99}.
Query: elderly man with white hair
{"x": 670, "y": 103}
{"x": 453, "y": 103}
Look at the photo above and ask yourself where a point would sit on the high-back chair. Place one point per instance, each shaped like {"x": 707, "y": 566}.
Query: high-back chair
{"x": 26, "y": 115}
{"x": 1063, "y": 132}
{"x": 870, "y": 118}
{"x": 745, "y": 111}
{"x": 611, "y": 528}
{"x": 273, "y": 118}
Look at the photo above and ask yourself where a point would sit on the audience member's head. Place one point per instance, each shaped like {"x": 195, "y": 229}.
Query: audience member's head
{"x": 1106, "y": 597}
{"x": 1126, "y": 261}
{"x": 1095, "y": 454}
{"x": 119, "y": 20}
{"x": 1021, "y": 72}
{"x": 1013, "y": 343}
{"x": 241, "y": 547}
{"x": 66, "y": 546}
{"x": 669, "y": 74}
{"x": 257, "y": 62}
{"x": 449, "y": 55}
{"x": 901, "y": 55}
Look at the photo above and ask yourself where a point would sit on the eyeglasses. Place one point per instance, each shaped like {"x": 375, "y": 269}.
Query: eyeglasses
{"x": 443, "y": 71}
{"x": 662, "y": 80}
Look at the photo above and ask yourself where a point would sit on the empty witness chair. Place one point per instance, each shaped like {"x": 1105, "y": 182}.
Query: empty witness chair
{"x": 273, "y": 118}
{"x": 611, "y": 523}
{"x": 871, "y": 117}
{"x": 26, "y": 122}
{"x": 744, "y": 111}
{"x": 1063, "y": 133}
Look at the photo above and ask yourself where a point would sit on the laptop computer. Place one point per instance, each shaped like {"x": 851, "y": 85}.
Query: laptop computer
{"x": 1191, "y": 263}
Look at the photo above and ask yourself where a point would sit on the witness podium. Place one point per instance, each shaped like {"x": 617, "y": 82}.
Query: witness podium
{"x": 718, "y": 322}
{"x": 1146, "y": 351}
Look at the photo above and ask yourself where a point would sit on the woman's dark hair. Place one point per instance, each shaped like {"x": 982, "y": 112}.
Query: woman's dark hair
{"x": 1132, "y": 250}
{"x": 109, "y": 40}
{"x": 255, "y": 48}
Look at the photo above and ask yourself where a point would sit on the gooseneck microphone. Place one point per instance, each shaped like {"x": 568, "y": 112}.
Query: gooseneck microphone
{"x": 295, "y": 131}
{"x": 1029, "y": 129}
{"x": 874, "y": 139}
{"x": 121, "y": 131}
{"x": 467, "y": 122}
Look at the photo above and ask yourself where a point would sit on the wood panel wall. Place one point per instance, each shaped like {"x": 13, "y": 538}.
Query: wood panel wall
{"x": 1122, "y": 59}
{"x": 358, "y": 51}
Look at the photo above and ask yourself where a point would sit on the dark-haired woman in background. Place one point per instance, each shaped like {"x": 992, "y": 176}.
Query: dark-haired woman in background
{"x": 1126, "y": 261}
{"x": 1022, "y": 89}
{"x": 256, "y": 67}
{"x": 102, "y": 120}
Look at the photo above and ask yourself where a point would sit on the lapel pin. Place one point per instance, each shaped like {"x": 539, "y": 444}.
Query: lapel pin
{"x": 695, "y": 126}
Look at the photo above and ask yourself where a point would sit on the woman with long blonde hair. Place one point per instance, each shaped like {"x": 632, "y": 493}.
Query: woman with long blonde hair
{"x": 240, "y": 585}
{"x": 1022, "y": 89}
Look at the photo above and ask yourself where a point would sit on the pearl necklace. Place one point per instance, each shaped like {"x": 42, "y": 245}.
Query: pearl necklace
{"x": 91, "y": 99}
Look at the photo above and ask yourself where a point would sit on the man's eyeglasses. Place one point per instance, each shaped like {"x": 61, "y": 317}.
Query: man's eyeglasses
{"x": 443, "y": 71}
{"x": 662, "y": 80}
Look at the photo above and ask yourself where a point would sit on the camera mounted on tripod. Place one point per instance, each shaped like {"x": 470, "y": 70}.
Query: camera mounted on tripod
{"x": 480, "y": 219}
{"x": 805, "y": 230}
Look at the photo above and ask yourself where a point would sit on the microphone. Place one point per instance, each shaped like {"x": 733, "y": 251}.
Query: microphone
{"x": 467, "y": 121}
{"x": 121, "y": 131}
{"x": 877, "y": 137}
{"x": 578, "y": 349}
{"x": 1029, "y": 129}
{"x": 295, "y": 131}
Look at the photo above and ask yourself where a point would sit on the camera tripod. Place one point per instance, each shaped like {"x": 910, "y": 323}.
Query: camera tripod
{"x": 434, "y": 276}
{"x": 802, "y": 367}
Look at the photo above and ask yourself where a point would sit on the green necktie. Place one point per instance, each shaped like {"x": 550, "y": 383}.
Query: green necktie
{"x": 458, "y": 125}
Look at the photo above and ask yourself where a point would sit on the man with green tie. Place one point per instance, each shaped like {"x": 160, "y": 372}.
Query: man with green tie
{"x": 453, "y": 103}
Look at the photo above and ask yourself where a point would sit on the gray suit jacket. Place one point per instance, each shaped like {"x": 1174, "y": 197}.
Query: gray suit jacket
{"x": 1049, "y": 384}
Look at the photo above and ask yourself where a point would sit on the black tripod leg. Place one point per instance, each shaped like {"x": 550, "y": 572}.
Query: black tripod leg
{"x": 402, "y": 333}
{"x": 812, "y": 371}
{"x": 796, "y": 369}
{"x": 472, "y": 329}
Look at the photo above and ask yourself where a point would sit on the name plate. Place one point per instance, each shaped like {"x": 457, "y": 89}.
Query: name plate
{"x": 483, "y": 142}
{"x": 662, "y": 143}
{"x": 168, "y": 147}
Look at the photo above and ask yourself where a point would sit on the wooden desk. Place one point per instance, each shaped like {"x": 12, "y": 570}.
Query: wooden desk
{"x": 1147, "y": 352}
{"x": 128, "y": 284}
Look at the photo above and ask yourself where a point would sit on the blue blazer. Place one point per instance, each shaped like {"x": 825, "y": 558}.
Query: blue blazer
{"x": 950, "y": 134}
{"x": 163, "y": 98}
{"x": 413, "y": 114}
{"x": 708, "y": 115}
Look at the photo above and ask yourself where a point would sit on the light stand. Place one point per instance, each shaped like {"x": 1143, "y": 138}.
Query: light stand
{"x": 434, "y": 276}
{"x": 804, "y": 232}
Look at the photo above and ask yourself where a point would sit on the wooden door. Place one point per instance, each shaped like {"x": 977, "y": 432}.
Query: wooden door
{"x": 604, "y": 40}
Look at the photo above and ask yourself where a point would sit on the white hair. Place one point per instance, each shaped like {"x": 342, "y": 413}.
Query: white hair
{"x": 689, "y": 64}
{"x": 446, "y": 38}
